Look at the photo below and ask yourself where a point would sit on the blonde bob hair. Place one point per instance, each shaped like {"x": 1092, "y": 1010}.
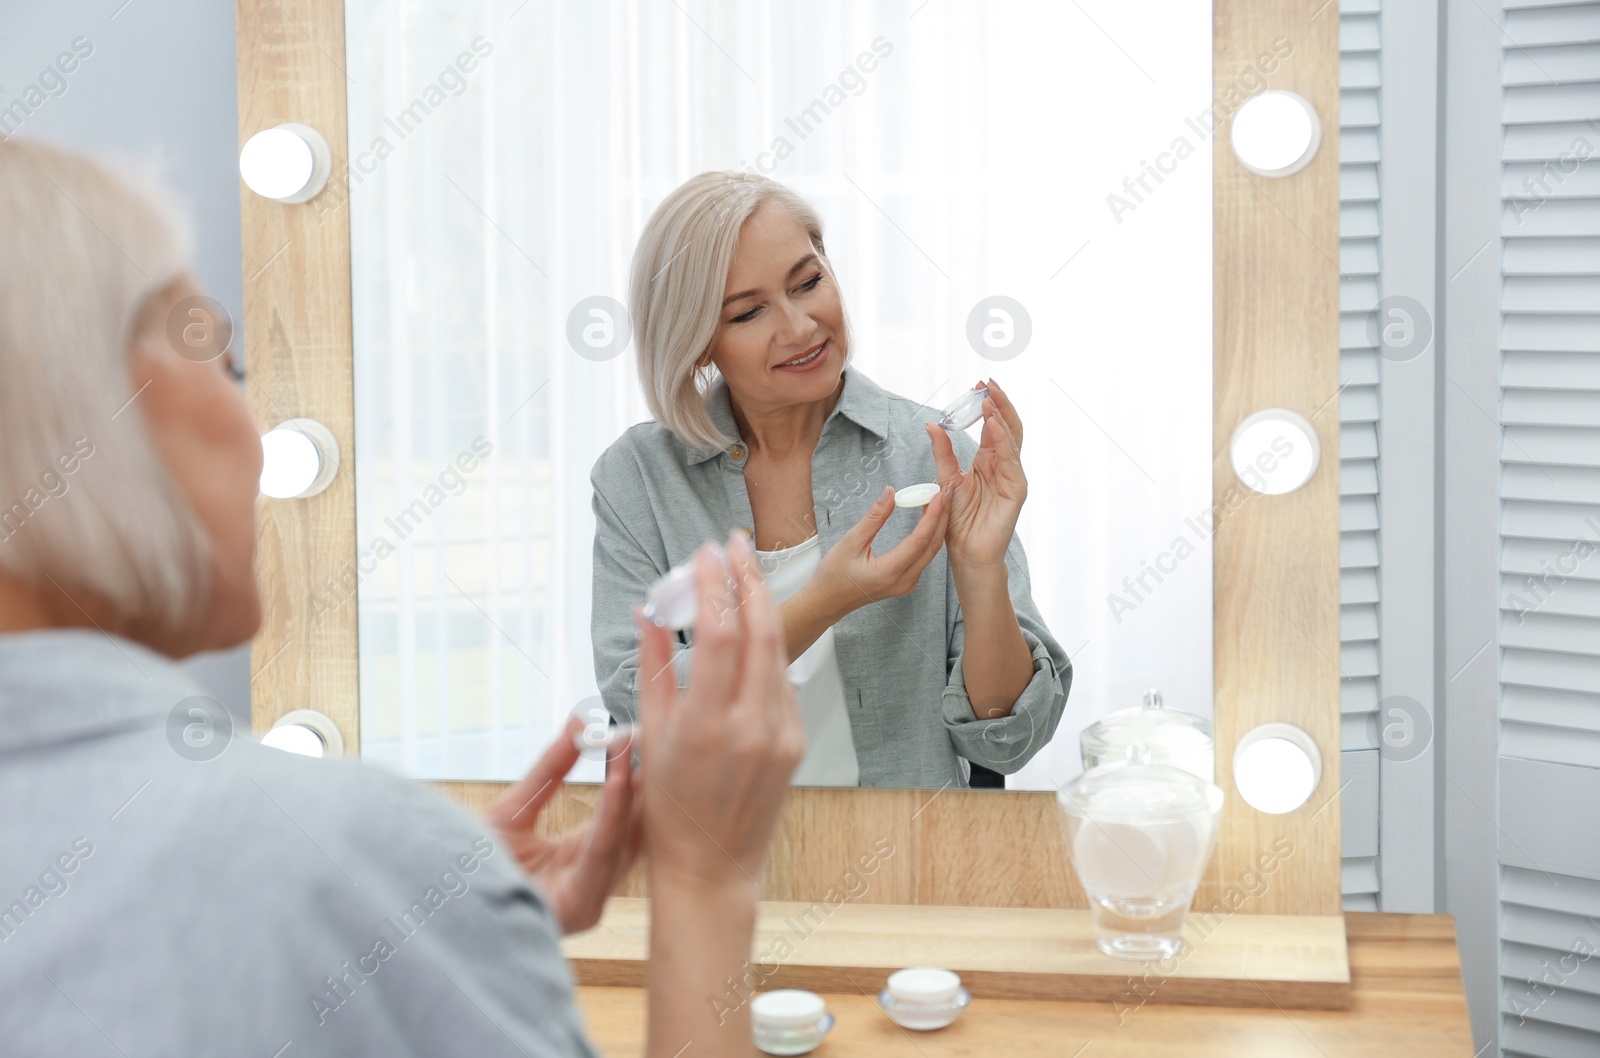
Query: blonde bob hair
{"x": 85, "y": 501}
{"x": 680, "y": 270}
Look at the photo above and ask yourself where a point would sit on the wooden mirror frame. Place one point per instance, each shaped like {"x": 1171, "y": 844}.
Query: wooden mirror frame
{"x": 1276, "y": 558}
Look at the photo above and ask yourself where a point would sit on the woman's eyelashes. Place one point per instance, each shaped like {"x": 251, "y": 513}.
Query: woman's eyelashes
{"x": 804, "y": 288}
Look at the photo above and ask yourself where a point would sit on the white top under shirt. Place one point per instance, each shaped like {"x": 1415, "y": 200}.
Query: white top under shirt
{"x": 830, "y": 758}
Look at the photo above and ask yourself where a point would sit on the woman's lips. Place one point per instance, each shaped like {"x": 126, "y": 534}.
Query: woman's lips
{"x": 821, "y": 358}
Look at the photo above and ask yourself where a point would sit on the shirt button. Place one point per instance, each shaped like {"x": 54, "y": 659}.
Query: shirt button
{"x": 737, "y": 452}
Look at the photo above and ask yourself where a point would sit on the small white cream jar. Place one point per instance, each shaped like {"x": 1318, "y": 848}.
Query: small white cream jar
{"x": 924, "y": 998}
{"x": 789, "y": 1021}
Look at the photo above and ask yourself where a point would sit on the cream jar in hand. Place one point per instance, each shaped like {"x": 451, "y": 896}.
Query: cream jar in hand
{"x": 965, "y": 409}
{"x": 672, "y": 601}
{"x": 789, "y": 1021}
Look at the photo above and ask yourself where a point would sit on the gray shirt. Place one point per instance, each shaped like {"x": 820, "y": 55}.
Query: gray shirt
{"x": 156, "y": 902}
{"x": 656, "y": 499}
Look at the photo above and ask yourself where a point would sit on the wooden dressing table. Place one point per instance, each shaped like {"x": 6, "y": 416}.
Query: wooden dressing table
{"x": 1407, "y": 999}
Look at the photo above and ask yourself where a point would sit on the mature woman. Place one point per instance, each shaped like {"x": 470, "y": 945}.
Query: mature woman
{"x": 167, "y": 891}
{"x": 917, "y": 647}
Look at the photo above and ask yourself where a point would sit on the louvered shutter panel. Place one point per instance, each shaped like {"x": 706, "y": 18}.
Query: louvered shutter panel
{"x": 1358, "y": 448}
{"x": 1549, "y": 774}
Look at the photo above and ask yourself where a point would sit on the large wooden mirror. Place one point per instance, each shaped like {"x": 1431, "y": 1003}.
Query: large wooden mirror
{"x": 494, "y": 165}
{"x": 1003, "y": 192}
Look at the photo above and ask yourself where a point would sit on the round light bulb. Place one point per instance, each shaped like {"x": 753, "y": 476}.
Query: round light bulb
{"x": 288, "y": 163}
{"x": 293, "y": 738}
{"x": 1276, "y": 133}
{"x": 1275, "y": 451}
{"x": 306, "y": 732}
{"x": 299, "y": 458}
{"x": 1276, "y": 767}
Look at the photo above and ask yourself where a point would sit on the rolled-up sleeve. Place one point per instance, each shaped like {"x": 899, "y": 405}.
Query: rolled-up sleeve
{"x": 1004, "y": 744}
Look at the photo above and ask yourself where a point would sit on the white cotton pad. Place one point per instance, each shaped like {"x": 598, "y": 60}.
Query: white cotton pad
{"x": 916, "y": 495}
{"x": 1125, "y": 859}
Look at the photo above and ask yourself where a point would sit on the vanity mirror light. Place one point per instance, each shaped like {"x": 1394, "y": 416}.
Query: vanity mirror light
{"x": 1276, "y": 767}
{"x": 1276, "y": 133}
{"x": 1275, "y": 451}
{"x": 499, "y": 386}
{"x": 307, "y": 732}
{"x": 287, "y": 163}
{"x": 299, "y": 458}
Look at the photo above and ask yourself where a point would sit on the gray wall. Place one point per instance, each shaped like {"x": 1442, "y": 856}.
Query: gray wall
{"x": 157, "y": 88}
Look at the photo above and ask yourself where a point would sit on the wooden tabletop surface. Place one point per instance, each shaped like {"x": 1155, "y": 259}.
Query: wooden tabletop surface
{"x": 1406, "y": 989}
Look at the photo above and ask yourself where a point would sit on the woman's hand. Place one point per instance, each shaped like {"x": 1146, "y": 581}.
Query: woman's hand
{"x": 717, "y": 755}
{"x": 717, "y": 761}
{"x": 986, "y": 499}
{"x": 850, "y": 576}
{"x": 576, "y": 870}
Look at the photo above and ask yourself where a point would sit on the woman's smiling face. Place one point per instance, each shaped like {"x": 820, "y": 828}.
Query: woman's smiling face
{"x": 780, "y": 304}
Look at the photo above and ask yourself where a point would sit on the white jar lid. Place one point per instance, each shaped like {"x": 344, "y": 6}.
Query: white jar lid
{"x": 916, "y": 495}
{"x": 785, "y": 1008}
{"x": 926, "y": 985}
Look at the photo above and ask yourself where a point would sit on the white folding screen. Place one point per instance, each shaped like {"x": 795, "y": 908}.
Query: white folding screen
{"x": 1549, "y": 638}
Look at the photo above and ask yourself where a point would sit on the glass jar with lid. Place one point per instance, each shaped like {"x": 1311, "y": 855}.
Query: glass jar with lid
{"x": 1151, "y": 734}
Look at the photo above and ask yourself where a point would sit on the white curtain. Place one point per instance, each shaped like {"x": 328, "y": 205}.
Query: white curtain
{"x": 504, "y": 159}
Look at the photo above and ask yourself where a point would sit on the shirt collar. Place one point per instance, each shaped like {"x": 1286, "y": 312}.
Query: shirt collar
{"x": 862, "y": 401}
{"x": 57, "y": 684}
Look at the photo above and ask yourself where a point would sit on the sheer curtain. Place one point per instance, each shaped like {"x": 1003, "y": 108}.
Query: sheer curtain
{"x": 504, "y": 159}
